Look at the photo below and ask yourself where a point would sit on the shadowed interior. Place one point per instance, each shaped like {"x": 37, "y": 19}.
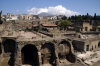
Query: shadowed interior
{"x": 9, "y": 45}
{"x": 30, "y": 55}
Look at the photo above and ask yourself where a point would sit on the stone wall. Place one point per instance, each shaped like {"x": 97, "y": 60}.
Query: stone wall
{"x": 94, "y": 44}
{"x": 78, "y": 45}
{"x": 39, "y": 45}
{"x": 85, "y": 24}
{"x": 46, "y": 33}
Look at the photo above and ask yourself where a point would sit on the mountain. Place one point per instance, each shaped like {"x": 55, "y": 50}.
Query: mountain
{"x": 45, "y": 14}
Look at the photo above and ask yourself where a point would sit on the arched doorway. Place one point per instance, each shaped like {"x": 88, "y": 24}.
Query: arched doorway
{"x": 30, "y": 55}
{"x": 65, "y": 53}
{"x": 9, "y": 46}
{"x": 48, "y": 54}
{"x": 9, "y": 51}
{"x": 99, "y": 44}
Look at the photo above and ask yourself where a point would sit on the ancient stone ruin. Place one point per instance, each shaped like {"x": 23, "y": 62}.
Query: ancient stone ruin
{"x": 29, "y": 48}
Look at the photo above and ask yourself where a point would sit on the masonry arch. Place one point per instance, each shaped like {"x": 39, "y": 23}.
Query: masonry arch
{"x": 64, "y": 52}
{"x": 30, "y": 55}
{"x": 9, "y": 45}
{"x": 48, "y": 53}
{"x": 99, "y": 44}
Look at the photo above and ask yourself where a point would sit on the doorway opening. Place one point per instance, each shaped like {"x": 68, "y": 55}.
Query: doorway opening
{"x": 30, "y": 55}
{"x": 87, "y": 47}
{"x": 9, "y": 46}
{"x": 9, "y": 50}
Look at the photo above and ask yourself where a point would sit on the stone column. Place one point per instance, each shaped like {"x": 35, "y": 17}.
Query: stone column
{"x": 18, "y": 61}
{"x": 1, "y": 55}
{"x": 57, "y": 58}
{"x": 39, "y": 56}
{"x": 19, "y": 57}
{"x": 22, "y": 57}
{"x": 2, "y": 47}
{"x": 56, "y": 54}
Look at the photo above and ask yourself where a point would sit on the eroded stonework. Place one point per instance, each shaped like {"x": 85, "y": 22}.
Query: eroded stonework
{"x": 30, "y": 48}
{"x": 52, "y": 52}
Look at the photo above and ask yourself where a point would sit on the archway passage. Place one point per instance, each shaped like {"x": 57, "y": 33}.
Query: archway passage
{"x": 48, "y": 54}
{"x": 9, "y": 49}
{"x": 9, "y": 46}
{"x": 65, "y": 51}
{"x": 30, "y": 55}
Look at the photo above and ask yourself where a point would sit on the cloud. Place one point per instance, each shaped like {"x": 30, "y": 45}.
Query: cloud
{"x": 17, "y": 10}
{"x": 57, "y": 10}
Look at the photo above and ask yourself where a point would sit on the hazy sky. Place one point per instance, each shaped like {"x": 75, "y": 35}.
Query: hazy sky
{"x": 56, "y": 7}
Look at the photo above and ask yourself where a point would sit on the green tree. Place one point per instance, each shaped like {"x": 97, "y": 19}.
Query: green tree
{"x": 64, "y": 18}
{"x": 87, "y": 14}
{"x": 39, "y": 29}
{"x": 37, "y": 17}
{"x": 88, "y": 17}
{"x": 0, "y": 18}
{"x": 69, "y": 18}
{"x": 97, "y": 23}
{"x": 98, "y": 17}
{"x": 64, "y": 24}
{"x": 95, "y": 17}
{"x": 92, "y": 18}
{"x": 83, "y": 17}
{"x": 73, "y": 18}
{"x": 79, "y": 18}
{"x": 4, "y": 19}
{"x": 57, "y": 18}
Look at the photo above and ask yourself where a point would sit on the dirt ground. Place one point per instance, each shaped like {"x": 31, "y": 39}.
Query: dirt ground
{"x": 97, "y": 63}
